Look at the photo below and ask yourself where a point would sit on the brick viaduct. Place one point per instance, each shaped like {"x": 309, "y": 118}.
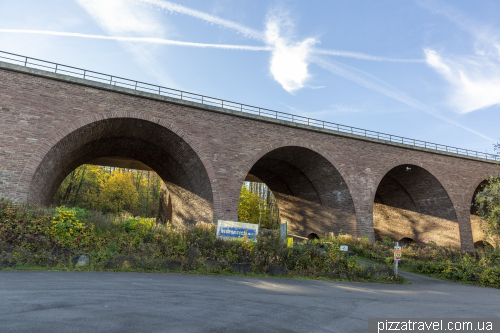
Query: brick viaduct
{"x": 323, "y": 180}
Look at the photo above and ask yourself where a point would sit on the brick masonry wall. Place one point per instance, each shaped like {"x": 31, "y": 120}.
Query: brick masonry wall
{"x": 48, "y": 127}
{"x": 399, "y": 223}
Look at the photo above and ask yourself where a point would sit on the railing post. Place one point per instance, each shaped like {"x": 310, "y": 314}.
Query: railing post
{"x": 323, "y": 125}
{"x": 338, "y": 130}
{"x": 25, "y": 61}
{"x": 135, "y": 88}
{"x": 111, "y": 80}
{"x": 292, "y": 118}
{"x": 56, "y": 69}
{"x": 181, "y": 94}
{"x": 159, "y": 91}
{"x": 308, "y": 121}
{"x": 365, "y": 132}
{"x": 85, "y": 72}
{"x": 276, "y": 114}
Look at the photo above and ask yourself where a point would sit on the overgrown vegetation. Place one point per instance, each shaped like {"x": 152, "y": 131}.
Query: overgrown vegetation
{"x": 481, "y": 267}
{"x": 488, "y": 208}
{"x": 111, "y": 190}
{"x": 55, "y": 237}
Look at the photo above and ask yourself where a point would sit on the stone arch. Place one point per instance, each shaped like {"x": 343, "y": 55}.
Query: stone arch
{"x": 405, "y": 241}
{"x": 311, "y": 193}
{"x": 481, "y": 244}
{"x": 410, "y": 202}
{"x": 479, "y": 237}
{"x": 152, "y": 141}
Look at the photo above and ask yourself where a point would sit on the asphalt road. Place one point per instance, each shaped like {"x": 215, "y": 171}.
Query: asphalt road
{"x": 146, "y": 302}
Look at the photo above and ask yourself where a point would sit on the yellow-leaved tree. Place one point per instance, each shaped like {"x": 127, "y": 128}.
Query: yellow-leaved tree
{"x": 118, "y": 193}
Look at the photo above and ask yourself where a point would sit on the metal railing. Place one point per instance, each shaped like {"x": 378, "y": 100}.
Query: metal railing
{"x": 187, "y": 96}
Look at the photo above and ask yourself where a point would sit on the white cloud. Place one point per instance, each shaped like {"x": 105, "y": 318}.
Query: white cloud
{"x": 474, "y": 79}
{"x": 126, "y": 16}
{"x": 367, "y": 81}
{"x": 121, "y": 16}
{"x": 289, "y": 60}
{"x": 475, "y": 83}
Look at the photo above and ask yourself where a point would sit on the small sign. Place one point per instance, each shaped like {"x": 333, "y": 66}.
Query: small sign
{"x": 284, "y": 232}
{"x": 289, "y": 242}
{"x": 237, "y": 230}
{"x": 397, "y": 253}
{"x": 344, "y": 248}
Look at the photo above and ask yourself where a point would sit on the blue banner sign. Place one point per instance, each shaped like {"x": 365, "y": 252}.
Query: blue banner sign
{"x": 235, "y": 230}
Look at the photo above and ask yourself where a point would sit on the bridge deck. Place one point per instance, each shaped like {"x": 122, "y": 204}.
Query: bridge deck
{"x": 235, "y": 109}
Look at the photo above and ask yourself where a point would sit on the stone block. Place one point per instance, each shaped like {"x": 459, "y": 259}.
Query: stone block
{"x": 121, "y": 262}
{"x": 81, "y": 260}
{"x": 242, "y": 268}
{"x": 7, "y": 260}
{"x": 211, "y": 263}
{"x": 277, "y": 270}
{"x": 171, "y": 264}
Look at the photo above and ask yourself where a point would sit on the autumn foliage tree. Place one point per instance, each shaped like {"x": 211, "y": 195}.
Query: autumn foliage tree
{"x": 111, "y": 190}
{"x": 488, "y": 206}
{"x": 256, "y": 203}
{"x": 118, "y": 193}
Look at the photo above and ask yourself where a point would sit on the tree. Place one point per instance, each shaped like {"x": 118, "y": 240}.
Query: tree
{"x": 257, "y": 202}
{"x": 488, "y": 206}
{"x": 83, "y": 187}
{"x": 248, "y": 206}
{"x": 119, "y": 193}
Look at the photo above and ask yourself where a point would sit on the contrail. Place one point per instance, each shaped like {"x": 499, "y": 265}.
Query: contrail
{"x": 202, "y": 45}
{"x": 392, "y": 93}
{"x": 362, "y": 56}
{"x": 173, "y": 7}
{"x": 142, "y": 40}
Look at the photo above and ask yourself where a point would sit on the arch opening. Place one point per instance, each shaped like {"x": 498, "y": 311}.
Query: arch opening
{"x": 186, "y": 185}
{"x": 407, "y": 242}
{"x": 479, "y": 236}
{"x": 410, "y": 203}
{"x": 310, "y": 193}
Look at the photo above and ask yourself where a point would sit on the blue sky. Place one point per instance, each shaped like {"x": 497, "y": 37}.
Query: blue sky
{"x": 427, "y": 70}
